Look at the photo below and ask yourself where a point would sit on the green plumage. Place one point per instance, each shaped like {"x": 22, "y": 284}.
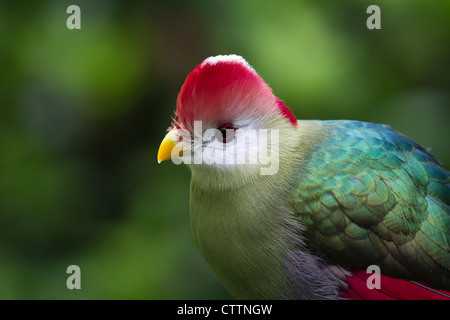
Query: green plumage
{"x": 340, "y": 195}
{"x": 347, "y": 193}
{"x": 369, "y": 195}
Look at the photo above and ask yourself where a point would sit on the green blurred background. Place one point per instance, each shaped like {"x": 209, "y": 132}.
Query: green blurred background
{"x": 82, "y": 113}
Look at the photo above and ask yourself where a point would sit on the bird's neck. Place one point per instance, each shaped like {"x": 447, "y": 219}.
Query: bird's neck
{"x": 246, "y": 233}
{"x": 242, "y": 235}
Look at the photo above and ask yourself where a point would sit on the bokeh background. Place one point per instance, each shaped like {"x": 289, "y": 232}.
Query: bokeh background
{"x": 82, "y": 113}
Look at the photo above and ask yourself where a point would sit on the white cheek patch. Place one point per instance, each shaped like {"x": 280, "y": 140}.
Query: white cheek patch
{"x": 243, "y": 149}
{"x": 248, "y": 146}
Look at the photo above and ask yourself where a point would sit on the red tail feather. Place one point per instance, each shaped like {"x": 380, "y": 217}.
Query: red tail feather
{"x": 390, "y": 289}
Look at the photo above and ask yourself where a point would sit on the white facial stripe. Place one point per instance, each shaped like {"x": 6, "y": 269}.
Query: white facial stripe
{"x": 249, "y": 145}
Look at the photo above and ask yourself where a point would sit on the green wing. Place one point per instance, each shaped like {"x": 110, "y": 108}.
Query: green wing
{"x": 372, "y": 196}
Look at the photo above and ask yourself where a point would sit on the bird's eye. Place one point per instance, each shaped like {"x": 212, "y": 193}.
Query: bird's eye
{"x": 225, "y": 133}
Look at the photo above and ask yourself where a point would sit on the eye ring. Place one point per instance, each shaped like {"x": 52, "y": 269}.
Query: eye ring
{"x": 225, "y": 133}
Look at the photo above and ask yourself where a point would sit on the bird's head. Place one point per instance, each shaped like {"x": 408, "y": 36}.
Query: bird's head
{"x": 227, "y": 120}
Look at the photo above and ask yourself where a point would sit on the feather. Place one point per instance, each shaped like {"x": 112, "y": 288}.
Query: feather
{"x": 392, "y": 210}
{"x": 346, "y": 195}
{"x": 390, "y": 289}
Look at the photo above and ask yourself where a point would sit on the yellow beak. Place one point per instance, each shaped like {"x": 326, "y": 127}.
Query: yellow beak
{"x": 167, "y": 145}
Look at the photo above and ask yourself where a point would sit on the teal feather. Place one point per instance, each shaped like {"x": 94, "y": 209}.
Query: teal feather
{"x": 369, "y": 195}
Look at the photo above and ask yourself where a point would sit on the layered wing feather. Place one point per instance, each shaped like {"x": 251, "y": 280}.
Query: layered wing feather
{"x": 369, "y": 195}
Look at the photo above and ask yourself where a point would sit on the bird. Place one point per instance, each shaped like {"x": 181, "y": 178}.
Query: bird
{"x": 287, "y": 209}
